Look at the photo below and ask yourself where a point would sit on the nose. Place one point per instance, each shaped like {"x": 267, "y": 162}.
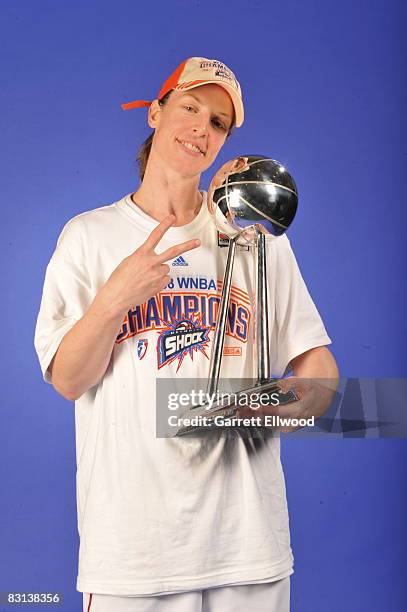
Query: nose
{"x": 200, "y": 130}
{"x": 201, "y": 126}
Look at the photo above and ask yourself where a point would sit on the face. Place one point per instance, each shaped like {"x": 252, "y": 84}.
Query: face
{"x": 191, "y": 128}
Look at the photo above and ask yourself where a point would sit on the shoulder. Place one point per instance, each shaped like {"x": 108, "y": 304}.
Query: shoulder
{"x": 281, "y": 242}
{"x": 85, "y": 225}
{"x": 280, "y": 246}
{"x": 92, "y": 218}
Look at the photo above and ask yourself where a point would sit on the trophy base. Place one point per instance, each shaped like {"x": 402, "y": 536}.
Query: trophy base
{"x": 220, "y": 414}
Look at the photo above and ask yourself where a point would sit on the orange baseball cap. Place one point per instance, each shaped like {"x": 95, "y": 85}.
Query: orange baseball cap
{"x": 197, "y": 71}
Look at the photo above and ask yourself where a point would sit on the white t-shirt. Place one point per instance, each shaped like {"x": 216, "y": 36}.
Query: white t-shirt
{"x": 158, "y": 515}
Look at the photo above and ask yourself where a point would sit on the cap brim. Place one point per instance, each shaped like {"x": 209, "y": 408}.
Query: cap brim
{"x": 236, "y": 100}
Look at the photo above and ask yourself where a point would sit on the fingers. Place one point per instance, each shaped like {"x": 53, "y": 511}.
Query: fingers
{"x": 158, "y": 232}
{"x": 164, "y": 282}
{"x": 164, "y": 269}
{"x": 157, "y": 274}
{"x": 159, "y": 269}
{"x": 177, "y": 250}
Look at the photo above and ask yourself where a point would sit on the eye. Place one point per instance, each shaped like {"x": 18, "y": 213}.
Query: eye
{"x": 218, "y": 124}
{"x": 189, "y": 108}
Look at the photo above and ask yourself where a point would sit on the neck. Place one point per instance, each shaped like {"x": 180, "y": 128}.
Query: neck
{"x": 162, "y": 192}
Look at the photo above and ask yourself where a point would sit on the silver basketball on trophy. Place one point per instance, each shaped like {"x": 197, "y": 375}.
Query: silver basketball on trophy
{"x": 252, "y": 192}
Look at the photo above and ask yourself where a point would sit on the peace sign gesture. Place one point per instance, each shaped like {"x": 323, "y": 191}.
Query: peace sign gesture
{"x": 143, "y": 273}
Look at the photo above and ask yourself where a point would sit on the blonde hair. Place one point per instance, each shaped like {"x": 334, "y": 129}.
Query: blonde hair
{"x": 144, "y": 151}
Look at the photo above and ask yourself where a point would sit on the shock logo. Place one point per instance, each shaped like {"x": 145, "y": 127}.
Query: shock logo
{"x": 181, "y": 337}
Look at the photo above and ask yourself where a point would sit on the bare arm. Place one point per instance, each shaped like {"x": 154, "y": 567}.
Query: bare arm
{"x": 84, "y": 353}
{"x": 315, "y": 380}
{"x": 316, "y": 363}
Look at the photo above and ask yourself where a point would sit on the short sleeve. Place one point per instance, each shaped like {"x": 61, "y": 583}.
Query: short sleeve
{"x": 298, "y": 326}
{"x": 66, "y": 294}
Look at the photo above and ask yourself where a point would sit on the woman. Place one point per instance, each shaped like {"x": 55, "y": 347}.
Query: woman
{"x": 164, "y": 521}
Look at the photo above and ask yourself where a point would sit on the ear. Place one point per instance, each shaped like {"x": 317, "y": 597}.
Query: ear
{"x": 154, "y": 114}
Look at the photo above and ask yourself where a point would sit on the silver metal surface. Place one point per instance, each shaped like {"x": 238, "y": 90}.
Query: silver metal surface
{"x": 252, "y": 191}
{"x": 249, "y": 197}
{"x": 262, "y": 314}
{"x": 220, "y": 329}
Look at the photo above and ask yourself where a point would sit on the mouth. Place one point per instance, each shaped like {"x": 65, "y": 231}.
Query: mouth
{"x": 190, "y": 147}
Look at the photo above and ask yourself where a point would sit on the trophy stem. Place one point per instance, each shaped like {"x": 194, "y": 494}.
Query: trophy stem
{"x": 219, "y": 335}
{"x": 262, "y": 314}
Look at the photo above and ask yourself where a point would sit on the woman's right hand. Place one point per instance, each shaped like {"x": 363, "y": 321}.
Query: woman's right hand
{"x": 143, "y": 273}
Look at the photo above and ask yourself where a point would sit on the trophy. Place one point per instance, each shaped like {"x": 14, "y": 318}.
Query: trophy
{"x": 249, "y": 197}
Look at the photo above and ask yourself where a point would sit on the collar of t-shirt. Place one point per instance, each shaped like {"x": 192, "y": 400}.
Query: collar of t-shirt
{"x": 135, "y": 215}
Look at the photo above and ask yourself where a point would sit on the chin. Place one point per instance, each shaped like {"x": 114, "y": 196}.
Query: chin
{"x": 189, "y": 170}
